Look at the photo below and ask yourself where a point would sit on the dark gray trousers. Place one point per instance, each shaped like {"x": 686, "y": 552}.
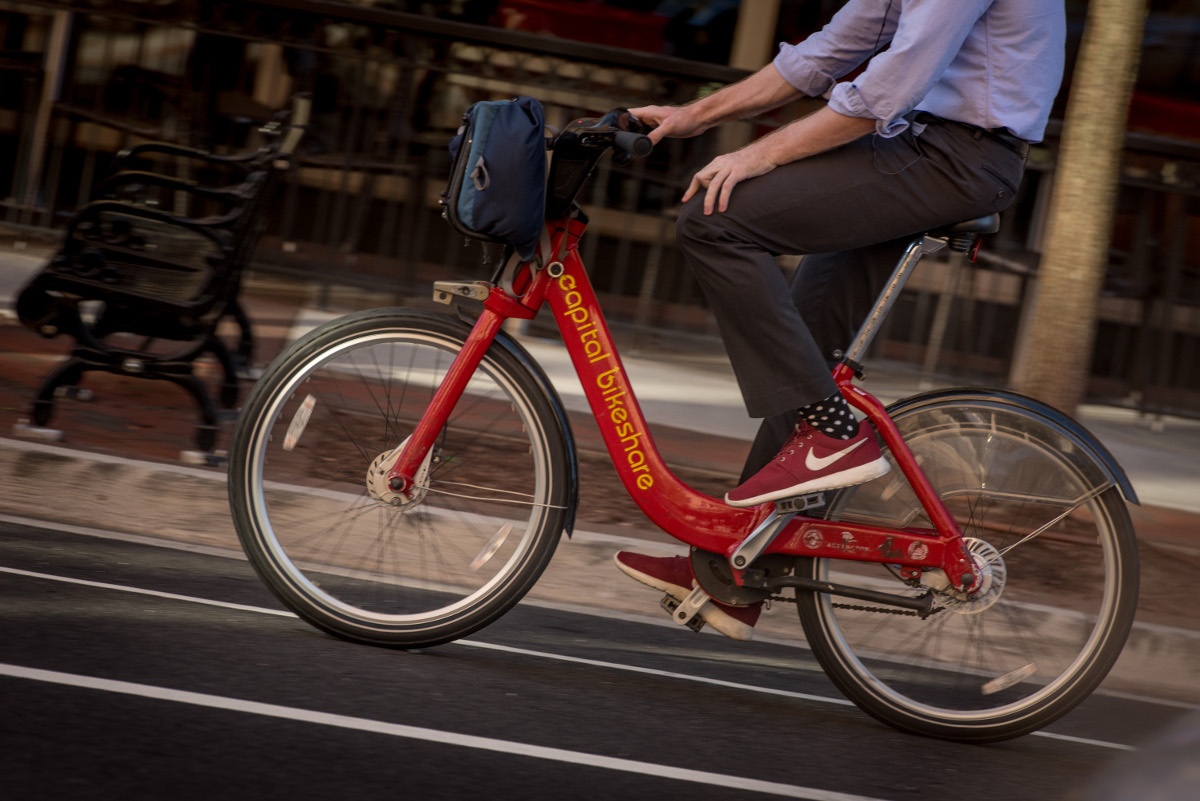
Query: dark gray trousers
{"x": 850, "y": 212}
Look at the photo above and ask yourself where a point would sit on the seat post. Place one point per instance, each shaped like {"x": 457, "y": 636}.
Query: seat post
{"x": 887, "y": 298}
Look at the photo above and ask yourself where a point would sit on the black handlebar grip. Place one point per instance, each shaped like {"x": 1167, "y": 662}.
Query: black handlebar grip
{"x": 635, "y": 143}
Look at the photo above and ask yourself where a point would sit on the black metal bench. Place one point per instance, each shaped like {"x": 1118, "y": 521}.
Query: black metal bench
{"x": 154, "y": 261}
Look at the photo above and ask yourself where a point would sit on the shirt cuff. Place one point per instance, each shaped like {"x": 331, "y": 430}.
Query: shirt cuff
{"x": 802, "y": 73}
{"x": 846, "y": 99}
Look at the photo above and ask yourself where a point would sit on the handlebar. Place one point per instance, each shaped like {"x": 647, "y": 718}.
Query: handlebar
{"x": 581, "y": 144}
{"x": 636, "y": 144}
{"x": 617, "y": 130}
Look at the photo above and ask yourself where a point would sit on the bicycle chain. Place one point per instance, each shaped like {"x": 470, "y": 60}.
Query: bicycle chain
{"x": 853, "y": 607}
{"x": 879, "y": 609}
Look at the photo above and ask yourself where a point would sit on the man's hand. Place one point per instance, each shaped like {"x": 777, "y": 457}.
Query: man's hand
{"x": 724, "y": 173}
{"x": 676, "y": 121}
{"x": 764, "y": 90}
{"x": 820, "y": 131}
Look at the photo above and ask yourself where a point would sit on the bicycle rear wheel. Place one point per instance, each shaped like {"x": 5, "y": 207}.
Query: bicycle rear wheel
{"x": 1050, "y": 531}
{"x": 330, "y": 543}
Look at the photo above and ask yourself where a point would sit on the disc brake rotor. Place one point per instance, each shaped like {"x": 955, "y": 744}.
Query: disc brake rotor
{"x": 992, "y": 573}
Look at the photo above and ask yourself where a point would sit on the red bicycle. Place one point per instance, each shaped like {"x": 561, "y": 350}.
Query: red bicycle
{"x": 402, "y": 477}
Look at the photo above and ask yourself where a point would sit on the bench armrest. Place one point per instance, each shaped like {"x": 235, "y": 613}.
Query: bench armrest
{"x": 232, "y": 194}
{"x": 210, "y": 228}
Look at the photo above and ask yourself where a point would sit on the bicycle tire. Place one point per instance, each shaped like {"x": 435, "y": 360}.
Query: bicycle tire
{"x": 1061, "y": 602}
{"x": 337, "y": 552}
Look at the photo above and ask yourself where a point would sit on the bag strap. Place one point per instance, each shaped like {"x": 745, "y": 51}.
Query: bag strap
{"x": 544, "y": 248}
{"x": 543, "y": 258}
{"x": 509, "y": 271}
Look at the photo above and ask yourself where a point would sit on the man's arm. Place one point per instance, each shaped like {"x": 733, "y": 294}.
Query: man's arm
{"x": 765, "y": 89}
{"x": 928, "y": 37}
{"x": 762, "y": 91}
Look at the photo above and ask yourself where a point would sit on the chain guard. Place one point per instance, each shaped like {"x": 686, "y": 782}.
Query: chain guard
{"x": 715, "y": 576}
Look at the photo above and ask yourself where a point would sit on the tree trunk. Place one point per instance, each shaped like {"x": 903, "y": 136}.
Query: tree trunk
{"x": 1054, "y": 357}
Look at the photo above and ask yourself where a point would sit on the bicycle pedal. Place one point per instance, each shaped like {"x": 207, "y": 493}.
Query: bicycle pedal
{"x": 801, "y": 503}
{"x": 687, "y": 611}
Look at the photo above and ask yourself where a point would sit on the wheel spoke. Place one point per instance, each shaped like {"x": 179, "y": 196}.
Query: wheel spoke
{"x": 1050, "y": 523}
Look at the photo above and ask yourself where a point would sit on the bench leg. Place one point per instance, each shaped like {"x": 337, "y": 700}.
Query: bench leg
{"x": 244, "y": 359}
{"x": 206, "y": 430}
{"x": 71, "y": 371}
{"x": 66, "y": 374}
{"x": 229, "y": 384}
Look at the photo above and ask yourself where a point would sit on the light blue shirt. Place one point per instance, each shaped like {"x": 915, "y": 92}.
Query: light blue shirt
{"x": 991, "y": 63}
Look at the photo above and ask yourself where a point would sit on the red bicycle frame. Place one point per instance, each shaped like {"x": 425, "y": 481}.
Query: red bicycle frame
{"x": 690, "y": 516}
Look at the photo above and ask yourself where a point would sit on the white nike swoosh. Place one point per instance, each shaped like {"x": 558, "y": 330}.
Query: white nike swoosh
{"x": 816, "y": 463}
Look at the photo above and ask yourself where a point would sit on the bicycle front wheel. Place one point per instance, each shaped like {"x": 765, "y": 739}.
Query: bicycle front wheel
{"x": 1051, "y": 536}
{"x": 331, "y": 543}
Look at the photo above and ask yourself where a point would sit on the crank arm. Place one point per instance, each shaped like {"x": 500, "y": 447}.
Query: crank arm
{"x": 754, "y": 545}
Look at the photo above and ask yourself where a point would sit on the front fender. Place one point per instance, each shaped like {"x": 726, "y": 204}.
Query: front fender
{"x": 507, "y": 342}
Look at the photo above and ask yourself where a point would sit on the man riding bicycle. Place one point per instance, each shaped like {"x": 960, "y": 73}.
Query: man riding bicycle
{"x": 935, "y": 130}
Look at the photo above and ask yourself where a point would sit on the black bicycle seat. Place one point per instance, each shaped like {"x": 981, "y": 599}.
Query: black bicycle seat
{"x": 980, "y": 225}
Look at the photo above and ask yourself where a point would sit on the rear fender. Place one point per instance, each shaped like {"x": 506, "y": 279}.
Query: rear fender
{"x": 1066, "y": 425}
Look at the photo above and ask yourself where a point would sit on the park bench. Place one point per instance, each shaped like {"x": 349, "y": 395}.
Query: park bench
{"x": 153, "y": 261}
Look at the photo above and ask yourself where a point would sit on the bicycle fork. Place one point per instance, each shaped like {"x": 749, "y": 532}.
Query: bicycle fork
{"x": 401, "y": 476}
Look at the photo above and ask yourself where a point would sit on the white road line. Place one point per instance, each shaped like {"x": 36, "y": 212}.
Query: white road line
{"x": 171, "y": 596}
{"x": 746, "y": 687}
{"x": 751, "y": 688}
{"x": 1084, "y": 741}
{"x": 123, "y": 536}
{"x": 428, "y": 735}
{"x": 578, "y": 660}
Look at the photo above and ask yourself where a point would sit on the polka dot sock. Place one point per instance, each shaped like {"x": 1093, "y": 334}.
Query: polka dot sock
{"x": 831, "y": 416}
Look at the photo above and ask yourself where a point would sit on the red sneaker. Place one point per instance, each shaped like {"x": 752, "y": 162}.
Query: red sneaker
{"x": 811, "y": 461}
{"x": 673, "y": 575}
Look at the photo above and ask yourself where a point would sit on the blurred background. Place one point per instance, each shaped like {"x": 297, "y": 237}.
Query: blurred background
{"x": 80, "y": 80}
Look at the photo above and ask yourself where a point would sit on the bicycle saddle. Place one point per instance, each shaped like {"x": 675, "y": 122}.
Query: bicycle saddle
{"x": 980, "y": 225}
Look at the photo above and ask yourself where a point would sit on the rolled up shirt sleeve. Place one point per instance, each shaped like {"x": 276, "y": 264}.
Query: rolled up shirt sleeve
{"x": 922, "y": 39}
{"x": 855, "y": 32}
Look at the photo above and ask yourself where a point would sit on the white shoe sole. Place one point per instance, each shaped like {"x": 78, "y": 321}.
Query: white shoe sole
{"x": 710, "y": 613}
{"x": 847, "y": 478}
{"x": 677, "y": 592}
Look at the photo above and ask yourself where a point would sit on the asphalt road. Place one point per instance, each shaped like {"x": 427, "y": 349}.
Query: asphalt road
{"x": 132, "y": 669}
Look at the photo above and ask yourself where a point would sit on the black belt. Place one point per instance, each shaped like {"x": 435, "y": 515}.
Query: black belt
{"x": 1014, "y": 143}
